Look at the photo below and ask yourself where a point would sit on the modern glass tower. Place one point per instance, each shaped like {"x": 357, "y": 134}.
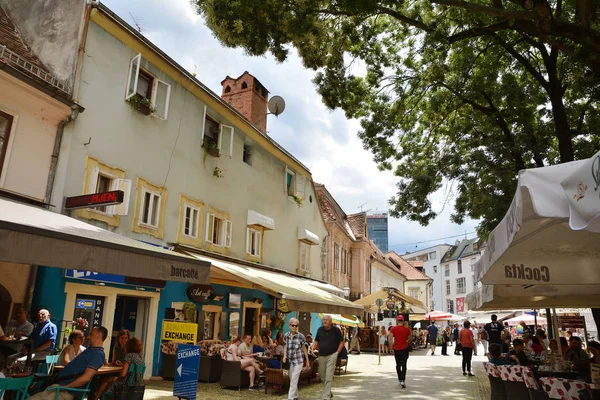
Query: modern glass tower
{"x": 378, "y": 230}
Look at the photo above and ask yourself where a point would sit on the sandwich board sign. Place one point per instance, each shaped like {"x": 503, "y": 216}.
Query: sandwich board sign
{"x": 186, "y": 371}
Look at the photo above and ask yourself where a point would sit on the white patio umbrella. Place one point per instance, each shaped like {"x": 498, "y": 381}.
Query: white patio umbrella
{"x": 528, "y": 319}
{"x": 544, "y": 252}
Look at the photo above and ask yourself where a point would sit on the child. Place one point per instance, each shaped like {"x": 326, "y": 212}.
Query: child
{"x": 495, "y": 355}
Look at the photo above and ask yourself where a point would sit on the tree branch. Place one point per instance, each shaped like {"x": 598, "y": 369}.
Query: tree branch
{"x": 482, "y": 31}
{"x": 492, "y": 11}
{"x": 403, "y": 18}
{"x": 524, "y": 62}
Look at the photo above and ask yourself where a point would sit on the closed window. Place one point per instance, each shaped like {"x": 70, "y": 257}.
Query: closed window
{"x": 473, "y": 264}
{"x": 447, "y": 287}
{"x": 304, "y": 259}
{"x": 344, "y": 261}
{"x": 218, "y": 231}
{"x": 414, "y": 293}
{"x": 336, "y": 256}
{"x": 253, "y": 243}
{"x": 350, "y": 263}
{"x": 431, "y": 256}
{"x": 6, "y": 122}
{"x": 435, "y": 269}
{"x": 191, "y": 218}
{"x": 150, "y": 210}
{"x": 461, "y": 285}
{"x": 459, "y": 266}
{"x": 144, "y": 88}
{"x": 450, "y": 306}
{"x": 447, "y": 270}
{"x": 367, "y": 271}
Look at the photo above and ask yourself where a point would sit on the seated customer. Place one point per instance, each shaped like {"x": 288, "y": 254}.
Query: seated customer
{"x": 20, "y": 326}
{"x": 73, "y": 349}
{"x": 518, "y": 355}
{"x": 564, "y": 345}
{"x": 536, "y": 346}
{"x": 133, "y": 356}
{"x": 44, "y": 338}
{"x": 579, "y": 358}
{"x": 247, "y": 363}
{"x": 495, "y": 355}
{"x": 81, "y": 370}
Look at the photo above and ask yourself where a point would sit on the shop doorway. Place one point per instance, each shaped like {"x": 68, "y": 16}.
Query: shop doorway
{"x": 251, "y": 321}
{"x": 130, "y": 314}
{"x": 305, "y": 321}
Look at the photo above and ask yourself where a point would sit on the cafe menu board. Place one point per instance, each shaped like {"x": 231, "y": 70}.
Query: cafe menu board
{"x": 595, "y": 369}
{"x": 569, "y": 322}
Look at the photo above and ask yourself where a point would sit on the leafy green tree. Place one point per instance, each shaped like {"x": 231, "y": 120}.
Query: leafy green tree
{"x": 450, "y": 94}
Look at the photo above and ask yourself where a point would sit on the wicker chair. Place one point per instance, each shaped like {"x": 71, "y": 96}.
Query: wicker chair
{"x": 339, "y": 364}
{"x": 498, "y": 391}
{"x": 512, "y": 378}
{"x": 232, "y": 375}
{"x": 210, "y": 368}
{"x": 280, "y": 378}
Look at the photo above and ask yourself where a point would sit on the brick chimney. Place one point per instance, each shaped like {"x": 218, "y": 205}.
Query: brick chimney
{"x": 247, "y": 95}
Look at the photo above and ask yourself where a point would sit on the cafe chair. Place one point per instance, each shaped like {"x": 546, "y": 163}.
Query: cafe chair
{"x": 47, "y": 368}
{"x": 534, "y": 389}
{"x": 19, "y": 385}
{"x": 132, "y": 391}
{"x": 74, "y": 391}
{"x": 339, "y": 364}
{"x": 232, "y": 375}
{"x": 512, "y": 379}
{"x": 498, "y": 391}
{"x": 564, "y": 389}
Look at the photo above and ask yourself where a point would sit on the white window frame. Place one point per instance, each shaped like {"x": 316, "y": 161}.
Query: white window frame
{"x": 155, "y": 197}
{"x": 222, "y": 131}
{"x": 446, "y": 270}
{"x": 448, "y": 287}
{"x": 460, "y": 289}
{"x": 116, "y": 184}
{"x": 459, "y": 266}
{"x": 137, "y": 60}
{"x": 414, "y": 289}
{"x": 192, "y": 208}
{"x": 226, "y": 230}
{"x": 292, "y": 184}
{"x": 254, "y": 237}
{"x": 306, "y": 265}
{"x": 449, "y": 305}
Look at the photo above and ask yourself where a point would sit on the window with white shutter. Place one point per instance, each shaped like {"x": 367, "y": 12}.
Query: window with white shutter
{"x": 253, "y": 242}
{"x": 146, "y": 86}
{"x": 218, "y": 231}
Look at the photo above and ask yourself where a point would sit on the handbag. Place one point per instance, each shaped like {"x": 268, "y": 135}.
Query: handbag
{"x": 130, "y": 392}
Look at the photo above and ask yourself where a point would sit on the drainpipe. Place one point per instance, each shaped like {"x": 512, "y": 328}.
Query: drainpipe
{"x": 30, "y": 287}
{"x": 55, "y": 153}
{"x": 81, "y": 51}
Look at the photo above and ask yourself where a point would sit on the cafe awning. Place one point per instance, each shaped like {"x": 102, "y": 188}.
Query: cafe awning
{"x": 33, "y": 235}
{"x": 346, "y": 320}
{"x": 293, "y": 292}
{"x": 369, "y": 301}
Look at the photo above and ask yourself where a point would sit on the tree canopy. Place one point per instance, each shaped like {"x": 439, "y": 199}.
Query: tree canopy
{"x": 451, "y": 94}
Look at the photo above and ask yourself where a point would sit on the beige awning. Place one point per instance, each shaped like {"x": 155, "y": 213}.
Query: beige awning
{"x": 33, "y": 235}
{"x": 299, "y": 294}
{"x": 369, "y": 301}
{"x": 307, "y": 236}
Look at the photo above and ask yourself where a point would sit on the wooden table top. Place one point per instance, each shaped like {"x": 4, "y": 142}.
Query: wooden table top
{"x": 104, "y": 370}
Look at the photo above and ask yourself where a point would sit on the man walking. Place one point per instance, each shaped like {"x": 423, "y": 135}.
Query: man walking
{"x": 355, "y": 341}
{"x": 329, "y": 342}
{"x": 402, "y": 340}
{"x": 476, "y": 338}
{"x": 432, "y": 334}
{"x": 295, "y": 346}
{"x": 455, "y": 336}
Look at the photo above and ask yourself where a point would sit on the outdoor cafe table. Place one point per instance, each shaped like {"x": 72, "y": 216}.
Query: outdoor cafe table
{"x": 17, "y": 345}
{"x": 104, "y": 370}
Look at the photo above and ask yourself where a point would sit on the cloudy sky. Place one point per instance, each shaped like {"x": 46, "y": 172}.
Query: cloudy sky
{"x": 324, "y": 141}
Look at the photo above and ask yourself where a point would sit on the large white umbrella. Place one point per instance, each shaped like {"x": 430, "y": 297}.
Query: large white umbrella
{"x": 528, "y": 319}
{"x": 443, "y": 316}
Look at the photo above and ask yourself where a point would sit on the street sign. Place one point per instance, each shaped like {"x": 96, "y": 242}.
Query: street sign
{"x": 85, "y": 304}
{"x": 186, "y": 371}
{"x": 95, "y": 200}
{"x": 568, "y": 322}
{"x": 379, "y": 302}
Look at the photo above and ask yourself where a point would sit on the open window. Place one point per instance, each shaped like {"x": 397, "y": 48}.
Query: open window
{"x": 218, "y": 231}
{"x": 294, "y": 184}
{"x": 217, "y": 138}
{"x": 106, "y": 179}
{"x": 253, "y": 242}
{"x": 147, "y": 93}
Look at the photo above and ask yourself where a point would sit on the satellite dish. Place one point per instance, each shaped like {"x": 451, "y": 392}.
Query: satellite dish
{"x": 276, "y": 105}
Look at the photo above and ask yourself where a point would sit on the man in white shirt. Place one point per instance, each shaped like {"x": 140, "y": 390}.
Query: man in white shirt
{"x": 476, "y": 338}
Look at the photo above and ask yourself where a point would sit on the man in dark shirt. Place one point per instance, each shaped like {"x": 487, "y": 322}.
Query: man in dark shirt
{"x": 518, "y": 355}
{"x": 329, "y": 342}
{"x": 80, "y": 371}
{"x": 579, "y": 358}
{"x": 455, "y": 337}
{"x": 494, "y": 329}
{"x": 433, "y": 333}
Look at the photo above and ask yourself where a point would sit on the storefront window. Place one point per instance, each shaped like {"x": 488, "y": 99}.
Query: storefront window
{"x": 209, "y": 325}
{"x": 234, "y": 324}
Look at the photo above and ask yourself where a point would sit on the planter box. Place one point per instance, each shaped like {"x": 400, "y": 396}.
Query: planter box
{"x": 143, "y": 108}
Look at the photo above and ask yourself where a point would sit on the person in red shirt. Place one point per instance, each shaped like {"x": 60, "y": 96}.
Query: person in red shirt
{"x": 402, "y": 339}
{"x": 467, "y": 341}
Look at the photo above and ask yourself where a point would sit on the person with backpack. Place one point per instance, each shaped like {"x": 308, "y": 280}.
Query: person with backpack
{"x": 493, "y": 330}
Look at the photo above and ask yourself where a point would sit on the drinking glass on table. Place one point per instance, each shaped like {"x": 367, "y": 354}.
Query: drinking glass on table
{"x": 10, "y": 332}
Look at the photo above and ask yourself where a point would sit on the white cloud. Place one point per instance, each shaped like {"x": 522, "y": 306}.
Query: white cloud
{"x": 324, "y": 141}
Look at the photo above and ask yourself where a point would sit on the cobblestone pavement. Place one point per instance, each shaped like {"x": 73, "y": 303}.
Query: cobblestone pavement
{"x": 436, "y": 377}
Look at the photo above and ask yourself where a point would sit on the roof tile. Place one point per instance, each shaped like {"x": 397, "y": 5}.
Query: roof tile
{"x": 407, "y": 269}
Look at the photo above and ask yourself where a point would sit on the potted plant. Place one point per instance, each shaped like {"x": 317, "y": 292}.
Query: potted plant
{"x": 299, "y": 200}
{"x": 141, "y": 104}
{"x": 212, "y": 148}
{"x": 189, "y": 309}
{"x": 218, "y": 172}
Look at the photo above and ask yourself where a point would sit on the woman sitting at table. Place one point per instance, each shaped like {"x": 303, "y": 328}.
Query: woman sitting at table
{"x": 564, "y": 345}
{"x": 73, "y": 349}
{"x": 536, "y": 346}
{"x": 119, "y": 352}
{"x": 247, "y": 364}
{"x": 133, "y": 356}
